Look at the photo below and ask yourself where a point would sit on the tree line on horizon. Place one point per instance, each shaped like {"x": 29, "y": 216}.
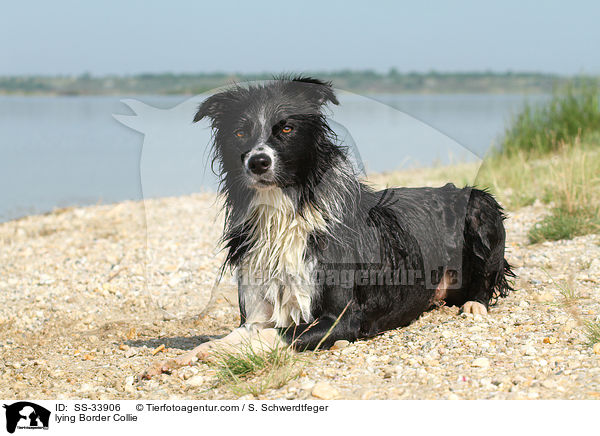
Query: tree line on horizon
{"x": 367, "y": 81}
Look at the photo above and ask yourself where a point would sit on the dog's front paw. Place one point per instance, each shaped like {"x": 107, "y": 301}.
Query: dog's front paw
{"x": 473, "y": 307}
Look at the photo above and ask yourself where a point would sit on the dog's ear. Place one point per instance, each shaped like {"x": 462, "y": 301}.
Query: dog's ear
{"x": 213, "y": 106}
{"x": 323, "y": 90}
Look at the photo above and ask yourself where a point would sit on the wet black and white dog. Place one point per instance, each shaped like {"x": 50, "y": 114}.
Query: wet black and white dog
{"x": 319, "y": 255}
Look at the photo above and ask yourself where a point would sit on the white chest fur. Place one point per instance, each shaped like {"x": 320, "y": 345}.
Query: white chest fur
{"x": 275, "y": 269}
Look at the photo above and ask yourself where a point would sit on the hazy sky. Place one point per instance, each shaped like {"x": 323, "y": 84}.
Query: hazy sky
{"x": 58, "y": 37}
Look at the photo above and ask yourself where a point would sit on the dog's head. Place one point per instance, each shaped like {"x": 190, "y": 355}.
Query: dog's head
{"x": 271, "y": 135}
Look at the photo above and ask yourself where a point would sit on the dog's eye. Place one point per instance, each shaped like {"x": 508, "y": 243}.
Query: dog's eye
{"x": 240, "y": 133}
{"x": 287, "y": 129}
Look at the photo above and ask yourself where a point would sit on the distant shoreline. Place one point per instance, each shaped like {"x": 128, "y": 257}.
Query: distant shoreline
{"x": 364, "y": 82}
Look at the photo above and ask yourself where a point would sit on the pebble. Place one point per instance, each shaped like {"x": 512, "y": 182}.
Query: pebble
{"x": 324, "y": 391}
{"x": 307, "y": 385}
{"x": 546, "y": 297}
{"x": 389, "y": 372}
{"x": 341, "y": 344}
{"x": 195, "y": 381}
{"x": 86, "y": 387}
{"x": 187, "y": 373}
{"x": 481, "y": 362}
{"x": 129, "y": 389}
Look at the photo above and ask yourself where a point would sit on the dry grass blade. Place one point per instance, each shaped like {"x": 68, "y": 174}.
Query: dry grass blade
{"x": 335, "y": 323}
{"x": 569, "y": 303}
{"x": 592, "y": 332}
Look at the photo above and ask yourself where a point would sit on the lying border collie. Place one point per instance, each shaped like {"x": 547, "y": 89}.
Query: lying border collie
{"x": 319, "y": 255}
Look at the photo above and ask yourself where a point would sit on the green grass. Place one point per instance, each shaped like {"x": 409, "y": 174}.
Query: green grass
{"x": 250, "y": 370}
{"x": 567, "y": 178}
{"x": 563, "y": 224}
{"x": 247, "y": 369}
{"x": 573, "y": 111}
{"x": 592, "y": 332}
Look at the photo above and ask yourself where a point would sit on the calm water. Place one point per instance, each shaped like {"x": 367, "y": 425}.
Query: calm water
{"x": 62, "y": 151}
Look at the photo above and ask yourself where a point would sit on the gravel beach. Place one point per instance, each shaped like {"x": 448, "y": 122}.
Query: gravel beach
{"x": 89, "y": 297}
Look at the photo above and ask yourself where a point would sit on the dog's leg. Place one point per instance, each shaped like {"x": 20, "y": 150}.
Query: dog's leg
{"x": 255, "y": 331}
{"x": 321, "y": 333}
{"x": 484, "y": 267}
{"x": 444, "y": 293}
{"x": 251, "y": 335}
{"x": 485, "y": 278}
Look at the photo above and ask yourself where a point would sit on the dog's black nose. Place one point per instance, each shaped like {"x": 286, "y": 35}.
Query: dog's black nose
{"x": 259, "y": 163}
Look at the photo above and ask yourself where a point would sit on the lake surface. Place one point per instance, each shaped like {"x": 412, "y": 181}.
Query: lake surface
{"x": 64, "y": 151}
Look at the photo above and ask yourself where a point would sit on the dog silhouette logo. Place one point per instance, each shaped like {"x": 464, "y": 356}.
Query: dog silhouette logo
{"x": 26, "y": 415}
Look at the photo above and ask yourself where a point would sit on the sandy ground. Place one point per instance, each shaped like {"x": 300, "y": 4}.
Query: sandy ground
{"x": 89, "y": 296}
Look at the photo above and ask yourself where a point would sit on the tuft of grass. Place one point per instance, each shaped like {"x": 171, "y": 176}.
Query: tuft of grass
{"x": 568, "y": 292}
{"x": 572, "y": 111}
{"x": 247, "y": 369}
{"x": 565, "y": 224}
{"x": 592, "y": 332}
{"x": 569, "y": 304}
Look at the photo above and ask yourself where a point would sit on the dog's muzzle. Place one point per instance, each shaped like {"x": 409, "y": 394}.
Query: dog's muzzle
{"x": 259, "y": 163}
